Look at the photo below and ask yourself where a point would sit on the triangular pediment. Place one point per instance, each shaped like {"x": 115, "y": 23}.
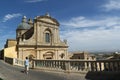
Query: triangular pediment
{"x": 48, "y": 20}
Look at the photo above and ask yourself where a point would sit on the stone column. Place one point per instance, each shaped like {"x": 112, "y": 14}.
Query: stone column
{"x": 33, "y": 64}
{"x": 21, "y": 54}
{"x": 96, "y": 67}
{"x": 66, "y": 54}
{"x": 67, "y": 66}
{"x": 92, "y": 66}
{"x": 57, "y": 54}
{"x": 40, "y": 55}
{"x": 55, "y": 36}
{"x": 37, "y": 53}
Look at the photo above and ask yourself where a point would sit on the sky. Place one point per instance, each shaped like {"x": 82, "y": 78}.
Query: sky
{"x": 87, "y": 25}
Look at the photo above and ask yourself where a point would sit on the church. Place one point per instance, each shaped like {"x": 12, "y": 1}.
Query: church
{"x": 38, "y": 38}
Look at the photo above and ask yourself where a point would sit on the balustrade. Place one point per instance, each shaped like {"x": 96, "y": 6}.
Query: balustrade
{"x": 70, "y": 65}
{"x": 78, "y": 65}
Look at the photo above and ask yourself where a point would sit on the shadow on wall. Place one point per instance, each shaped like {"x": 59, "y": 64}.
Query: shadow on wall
{"x": 103, "y": 75}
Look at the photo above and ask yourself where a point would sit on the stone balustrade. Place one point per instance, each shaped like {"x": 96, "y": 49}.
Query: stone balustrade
{"x": 70, "y": 65}
{"x": 78, "y": 65}
{"x": 14, "y": 61}
{"x": 9, "y": 60}
{"x": 18, "y": 62}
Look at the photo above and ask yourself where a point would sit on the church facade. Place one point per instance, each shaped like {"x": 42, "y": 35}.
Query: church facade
{"x": 40, "y": 39}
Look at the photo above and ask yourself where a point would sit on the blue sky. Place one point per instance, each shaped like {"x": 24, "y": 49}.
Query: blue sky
{"x": 88, "y": 25}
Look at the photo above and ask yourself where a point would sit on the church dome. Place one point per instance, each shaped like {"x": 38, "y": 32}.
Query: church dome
{"x": 24, "y": 24}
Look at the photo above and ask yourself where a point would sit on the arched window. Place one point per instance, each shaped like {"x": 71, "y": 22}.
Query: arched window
{"x": 47, "y": 37}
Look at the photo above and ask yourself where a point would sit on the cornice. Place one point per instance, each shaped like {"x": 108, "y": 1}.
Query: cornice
{"x": 41, "y": 46}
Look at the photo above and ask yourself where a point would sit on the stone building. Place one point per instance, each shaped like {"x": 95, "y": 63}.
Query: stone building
{"x": 40, "y": 39}
{"x": 10, "y": 43}
{"x": 82, "y": 55}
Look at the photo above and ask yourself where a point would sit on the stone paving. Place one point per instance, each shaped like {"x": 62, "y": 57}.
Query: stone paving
{"x": 9, "y": 72}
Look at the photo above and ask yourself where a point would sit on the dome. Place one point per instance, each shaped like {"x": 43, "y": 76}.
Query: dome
{"x": 24, "y": 24}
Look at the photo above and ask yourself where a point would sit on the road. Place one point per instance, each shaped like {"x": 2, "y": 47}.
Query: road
{"x": 9, "y": 72}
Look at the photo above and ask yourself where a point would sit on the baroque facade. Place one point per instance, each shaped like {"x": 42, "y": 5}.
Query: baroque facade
{"x": 40, "y": 39}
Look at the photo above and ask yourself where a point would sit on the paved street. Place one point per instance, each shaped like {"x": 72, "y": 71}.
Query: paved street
{"x": 9, "y": 72}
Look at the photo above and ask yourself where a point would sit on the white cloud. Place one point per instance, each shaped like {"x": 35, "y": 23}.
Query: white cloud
{"x": 86, "y": 22}
{"x": 10, "y": 16}
{"x": 111, "y": 5}
{"x": 34, "y": 1}
{"x": 103, "y": 37}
